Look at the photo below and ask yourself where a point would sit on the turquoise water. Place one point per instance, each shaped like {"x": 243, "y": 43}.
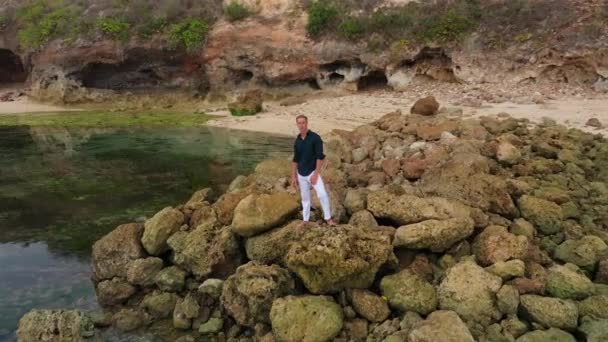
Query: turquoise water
{"x": 61, "y": 189}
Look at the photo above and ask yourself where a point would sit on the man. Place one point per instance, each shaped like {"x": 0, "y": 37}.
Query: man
{"x": 307, "y": 162}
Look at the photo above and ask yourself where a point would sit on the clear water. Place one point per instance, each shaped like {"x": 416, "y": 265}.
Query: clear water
{"x": 61, "y": 189}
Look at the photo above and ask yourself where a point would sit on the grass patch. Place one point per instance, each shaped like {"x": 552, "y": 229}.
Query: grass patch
{"x": 189, "y": 33}
{"x": 104, "y": 119}
{"x": 236, "y": 11}
{"x": 114, "y": 27}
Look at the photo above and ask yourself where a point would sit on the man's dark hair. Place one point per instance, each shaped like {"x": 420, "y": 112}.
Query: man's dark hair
{"x": 301, "y": 117}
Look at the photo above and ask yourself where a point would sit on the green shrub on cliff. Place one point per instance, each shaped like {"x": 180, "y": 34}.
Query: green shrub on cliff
{"x": 352, "y": 27}
{"x": 114, "y": 27}
{"x": 152, "y": 26}
{"x": 448, "y": 26}
{"x": 189, "y": 33}
{"x": 39, "y": 24}
{"x": 236, "y": 11}
{"x": 322, "y": 15}
{"x": 3, "y": 22}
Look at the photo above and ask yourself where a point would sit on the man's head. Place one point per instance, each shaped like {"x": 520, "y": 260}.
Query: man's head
{"x": 302, "y": 122}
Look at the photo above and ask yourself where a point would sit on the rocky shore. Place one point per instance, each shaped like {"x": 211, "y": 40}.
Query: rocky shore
{"x": 453, "y": 229}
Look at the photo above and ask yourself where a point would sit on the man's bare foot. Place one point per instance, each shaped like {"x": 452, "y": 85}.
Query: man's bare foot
{"x": 331, "y": 222}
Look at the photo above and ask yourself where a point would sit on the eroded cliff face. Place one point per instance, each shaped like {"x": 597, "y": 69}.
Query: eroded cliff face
{"x": 271, "y": 48}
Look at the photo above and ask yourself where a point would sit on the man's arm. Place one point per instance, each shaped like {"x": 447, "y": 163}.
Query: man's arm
{"x": 294, "y": 168}
{"x": 320, "y": 158}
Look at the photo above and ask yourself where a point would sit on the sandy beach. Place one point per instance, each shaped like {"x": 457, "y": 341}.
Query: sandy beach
{"x": 350, "y": 111}
{"x": 25, "y": 105}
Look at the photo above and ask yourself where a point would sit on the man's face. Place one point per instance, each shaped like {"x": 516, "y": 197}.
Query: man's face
{"x": 302, "y": 125}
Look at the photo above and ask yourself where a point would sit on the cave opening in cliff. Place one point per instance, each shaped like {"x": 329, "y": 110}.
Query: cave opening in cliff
{"x": 374, "y": 80}
{"x": 241, "y": 76}
{"x": 11, "y": 68}
{"x": 117, "y": 76}
{"x": 431, "y": 63}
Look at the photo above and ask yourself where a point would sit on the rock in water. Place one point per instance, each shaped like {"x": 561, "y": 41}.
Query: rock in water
{"x": 248, "y": 294}
{"x": 55, "y": 326}
{"x": 306, "y": 318}
{"x": 257, "y": 213}
{"x": 206, "y": 251}
{"x": 159, "y": 228}
{"x": 113, "y": 252}
{"x": 425, "y": 106}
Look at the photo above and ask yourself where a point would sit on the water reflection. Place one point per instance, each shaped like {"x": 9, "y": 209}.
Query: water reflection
{"x": 63, "y": 188}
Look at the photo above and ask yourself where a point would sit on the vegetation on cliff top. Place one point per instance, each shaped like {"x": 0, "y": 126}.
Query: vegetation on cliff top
{"x": 180, "y": 25}
{"x": 499, "y": 24}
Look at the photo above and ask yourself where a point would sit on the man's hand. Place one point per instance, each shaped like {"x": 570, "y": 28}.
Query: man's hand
{"x": 314, "y": 178}
{"x": 294, "y": 183}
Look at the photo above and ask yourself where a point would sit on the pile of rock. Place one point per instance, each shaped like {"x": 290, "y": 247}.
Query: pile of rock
{"x": 457, "y": 230}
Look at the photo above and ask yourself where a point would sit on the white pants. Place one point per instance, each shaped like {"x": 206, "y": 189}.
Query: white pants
{"x": 304, "y": 182}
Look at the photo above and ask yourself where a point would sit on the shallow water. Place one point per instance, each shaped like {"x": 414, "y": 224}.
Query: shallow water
{"x": 61, "y": 189}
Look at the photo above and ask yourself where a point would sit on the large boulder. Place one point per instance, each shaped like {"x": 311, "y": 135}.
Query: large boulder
{"x": 257, "y": 213}
{"x": 171, "y": 279}
{"x": 595, "y": 307}
{"x": 479, "y": 190}
{"x": 567, "y": 283}
{"x": 369, "y": 305}
{"x": 425, "y": 106}
{"x": 406, "y": 291}
{"x": 406, "y": 209}
{"x": 550, "y": 312}
{"x": 552, "y": 334}
{"x": 159, "y": 304}
{"x": 113, "y": 252}
{"x": 143, "y": 271}
{"x": 248, "y": 103}
{"x": 114, "y": 292}
{"x": 329, "y": 260}
{"x": 436, "y": 235}
{"x": 496, "y": 244}
{"x": 441, "y": 326}
{"x": 55, "y": 326}
{"x": 585, "y": 252}
{"x": 159, "y": 228}
{"x": 594, "y": 330}
{"x": 470, "y": 290}
{"x": 206, "y": 251}
{"x": 545, "y": 215}
{"x": 248, "y": 294}
{"x": 306, "y": 318}
{"x": 272, "y": 246}
{"x": 225, "y": 205}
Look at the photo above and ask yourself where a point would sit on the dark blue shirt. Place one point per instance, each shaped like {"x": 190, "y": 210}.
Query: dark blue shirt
{"x": 307, "y": 151}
